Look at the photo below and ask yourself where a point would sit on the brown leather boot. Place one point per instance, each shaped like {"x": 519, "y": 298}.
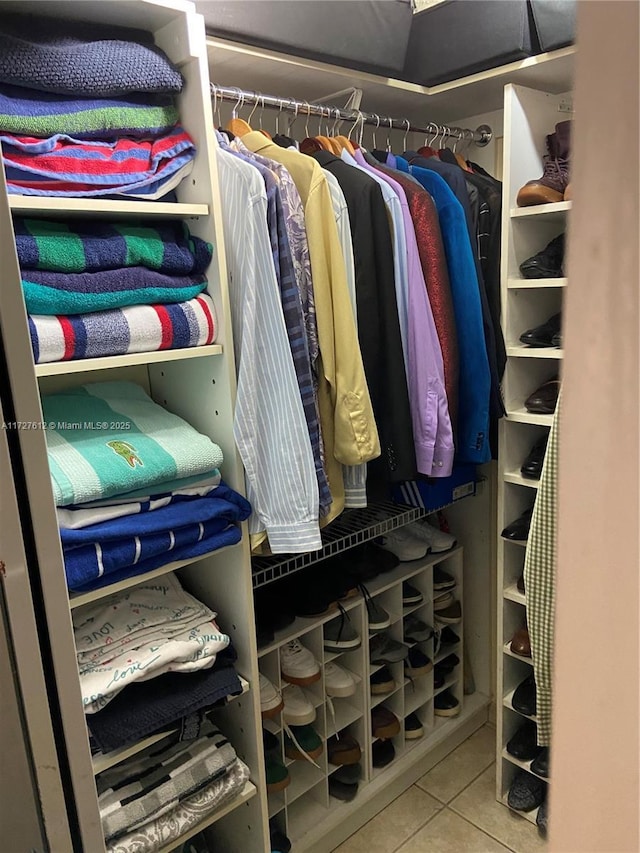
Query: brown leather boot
{"x": 553, "y": 183}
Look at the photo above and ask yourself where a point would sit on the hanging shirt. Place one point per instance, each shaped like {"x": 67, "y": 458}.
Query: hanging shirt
{"x": 436, "y": 277}
{"x": 475, "y": 379}
{"x": 378, "y": 324}
{"x": 294, "y": 321}
{"x": 270, "y": 429}
{"x": 348, "y": 425}
{"x": 354, "y": 476}
{"x": 432, "y": 428}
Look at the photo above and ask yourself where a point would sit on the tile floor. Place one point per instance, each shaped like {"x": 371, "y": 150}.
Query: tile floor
{"x": 451, "y": 809}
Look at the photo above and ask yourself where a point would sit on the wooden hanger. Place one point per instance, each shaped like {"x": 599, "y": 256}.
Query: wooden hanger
{"x": 236, "y": 125}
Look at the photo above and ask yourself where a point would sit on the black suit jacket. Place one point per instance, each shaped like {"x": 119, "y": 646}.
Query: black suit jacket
{"x": 378, "y": 324}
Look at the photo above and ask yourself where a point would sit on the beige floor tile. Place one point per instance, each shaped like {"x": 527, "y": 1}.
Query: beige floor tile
{"x": 477, "y": 803}
{"x": 388, "y": 830}
{"x": 449, "y": 833}
{"x": 462, "y": 766}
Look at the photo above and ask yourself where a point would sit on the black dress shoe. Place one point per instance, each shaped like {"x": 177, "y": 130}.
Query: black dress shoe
{"x": 543, "y": 400}
{"x": 524, "y": 697}
{"x": 518, "y": 530}
{"x": 382, "y": 753}
{"x": 541, "y": 763}
{"x": 446, "y": 705}
{"x": 556, "y": 341}
{"x": 547, "y": 263}
{"x": 526, "y": 792}
{"x": 543, "y": 335}
{"x": 531, "y": 468}
{"x": 524, "y": 744}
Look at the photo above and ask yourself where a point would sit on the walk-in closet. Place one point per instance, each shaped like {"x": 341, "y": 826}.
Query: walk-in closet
{"x": 310, "y": 316}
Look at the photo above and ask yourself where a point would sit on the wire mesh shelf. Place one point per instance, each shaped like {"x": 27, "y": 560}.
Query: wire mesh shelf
{"x": 353, "y": 527}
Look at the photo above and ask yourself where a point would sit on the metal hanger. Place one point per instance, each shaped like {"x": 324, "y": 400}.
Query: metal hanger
{"x": 373, "y": 132}
{"x": 406, "y": 133}
{"x": 388, "y": 135}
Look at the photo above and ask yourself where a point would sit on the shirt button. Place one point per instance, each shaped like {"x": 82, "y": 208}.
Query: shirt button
{"x": 440, "y": 464}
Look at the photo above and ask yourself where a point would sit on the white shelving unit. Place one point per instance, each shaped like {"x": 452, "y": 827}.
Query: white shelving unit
{"x": 305, "y": 811}
{"x": 529, "y": 116}
{"x": 197, "y": 384}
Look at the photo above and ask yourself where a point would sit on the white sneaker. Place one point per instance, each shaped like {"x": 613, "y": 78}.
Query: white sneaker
{"x": 298, "y": 710}
{"x": 298, "y": 665}
{"x": 338, "y": 681}
{"x": 436, "y": 540}
{"x": 270, "y": 700}
{"x": 405, "y": 545}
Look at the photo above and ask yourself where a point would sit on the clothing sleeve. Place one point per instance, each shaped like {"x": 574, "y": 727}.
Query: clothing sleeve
{"x": 355, "y": 432}
{"x": 269, "y": 426}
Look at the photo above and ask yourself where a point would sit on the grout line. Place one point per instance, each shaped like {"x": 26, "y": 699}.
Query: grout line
{"x": 420, "y": 828}
{"x": 483, "y": 831}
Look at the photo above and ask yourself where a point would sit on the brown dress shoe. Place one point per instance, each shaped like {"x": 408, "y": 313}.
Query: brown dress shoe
{"x": 543, "y": 400}
{"x": 521, "y": 644}
{"x": 384, "y": 724}
{"x": 344, "y": 750}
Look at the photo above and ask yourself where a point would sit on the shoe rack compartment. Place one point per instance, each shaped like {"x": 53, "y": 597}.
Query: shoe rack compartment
{"x": 508, "y": 773}
{"x": 530, "y": 116}
{"x": 518, "y": 441}
{"x": 522, "y": 377}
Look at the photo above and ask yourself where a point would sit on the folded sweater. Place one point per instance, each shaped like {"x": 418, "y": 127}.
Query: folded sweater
{"x": 49, "y": 293}
{"x": 137, "y": 328}
{"x": 79, "y": 246}
{"x": 26, "y": 112}
{"x": 63, "y": 166}
{"x": 78, "y": 58}
{"x": 110, "y": 438}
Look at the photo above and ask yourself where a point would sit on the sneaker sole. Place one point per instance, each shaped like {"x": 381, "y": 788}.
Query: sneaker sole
{"x": 275, "y": 787}
{"x": 418, "y": 638}
{"x": 444, "y": 550}
{"x": 340, "y": 692}
{"x": 298, "y": 756}
{"x": 408, "y": 602}
{"x": 342, "y": 645}
{"x": 385, "y": 687}
{"x": 443, "y": 586}
{"x": 302, "y": 680}
{"x": 387, "y": 660}
{"x": 415, "y": 672}
{"x": 414, "y": 734}
{"x": 388, "y": 731}
{"x": 300, "y": 719}
{"x": 447, "y": 712}
{"x": 450, "y": 620}
{"x": 380, "y": 626}
{"x": 269, "y": 713}
{"x": 345, "y": 758}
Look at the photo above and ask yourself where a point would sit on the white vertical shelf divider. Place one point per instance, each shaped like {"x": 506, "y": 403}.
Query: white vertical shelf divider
{"x": 529, "y": 116}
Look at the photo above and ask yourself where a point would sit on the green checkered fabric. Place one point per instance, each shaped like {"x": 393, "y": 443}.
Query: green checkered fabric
{"x": 540, "y": 580}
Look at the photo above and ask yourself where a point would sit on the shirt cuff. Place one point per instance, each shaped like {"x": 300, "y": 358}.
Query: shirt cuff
{"x": 296, "y": 538}
{"x": 442, "y": 461}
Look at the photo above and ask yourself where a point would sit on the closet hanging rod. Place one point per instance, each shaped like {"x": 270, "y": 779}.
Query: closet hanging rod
{"x": 482, "y": 135}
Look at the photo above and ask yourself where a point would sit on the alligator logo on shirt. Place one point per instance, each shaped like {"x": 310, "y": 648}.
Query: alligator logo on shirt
{"x": 127, "y": 452}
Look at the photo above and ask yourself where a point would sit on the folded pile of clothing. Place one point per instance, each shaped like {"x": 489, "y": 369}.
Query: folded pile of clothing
{"x": 159, "y": 794}
{"x": 95, "y": 288}
{"x": 136, "y": 487}
{"x": 89, "y": 111}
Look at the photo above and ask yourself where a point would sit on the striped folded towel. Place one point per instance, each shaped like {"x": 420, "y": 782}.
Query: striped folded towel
{"x": 64, "y": 166}
{"x": 48, "y": 292}
{"x": 155, "y": 780}
{"x": 138, "y": 328}
{"x": 110, "y": 438}
{"x": 81, "y": 58}
{"x": 79, "y": 246}
{"x": 26, "y": 112}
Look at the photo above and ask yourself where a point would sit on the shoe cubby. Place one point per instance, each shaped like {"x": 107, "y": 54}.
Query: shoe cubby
{"x": 307, "y": 812}
{"x": 518, "y": 442}
{"x": 522, "y": 377}
{"x": 509, "y": 771}
{"x": 528, "y": 308}
{"x": 417, "y": 694}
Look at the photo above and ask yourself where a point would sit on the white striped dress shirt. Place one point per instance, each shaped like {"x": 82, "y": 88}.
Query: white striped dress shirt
{"x": 269, "y": 426}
